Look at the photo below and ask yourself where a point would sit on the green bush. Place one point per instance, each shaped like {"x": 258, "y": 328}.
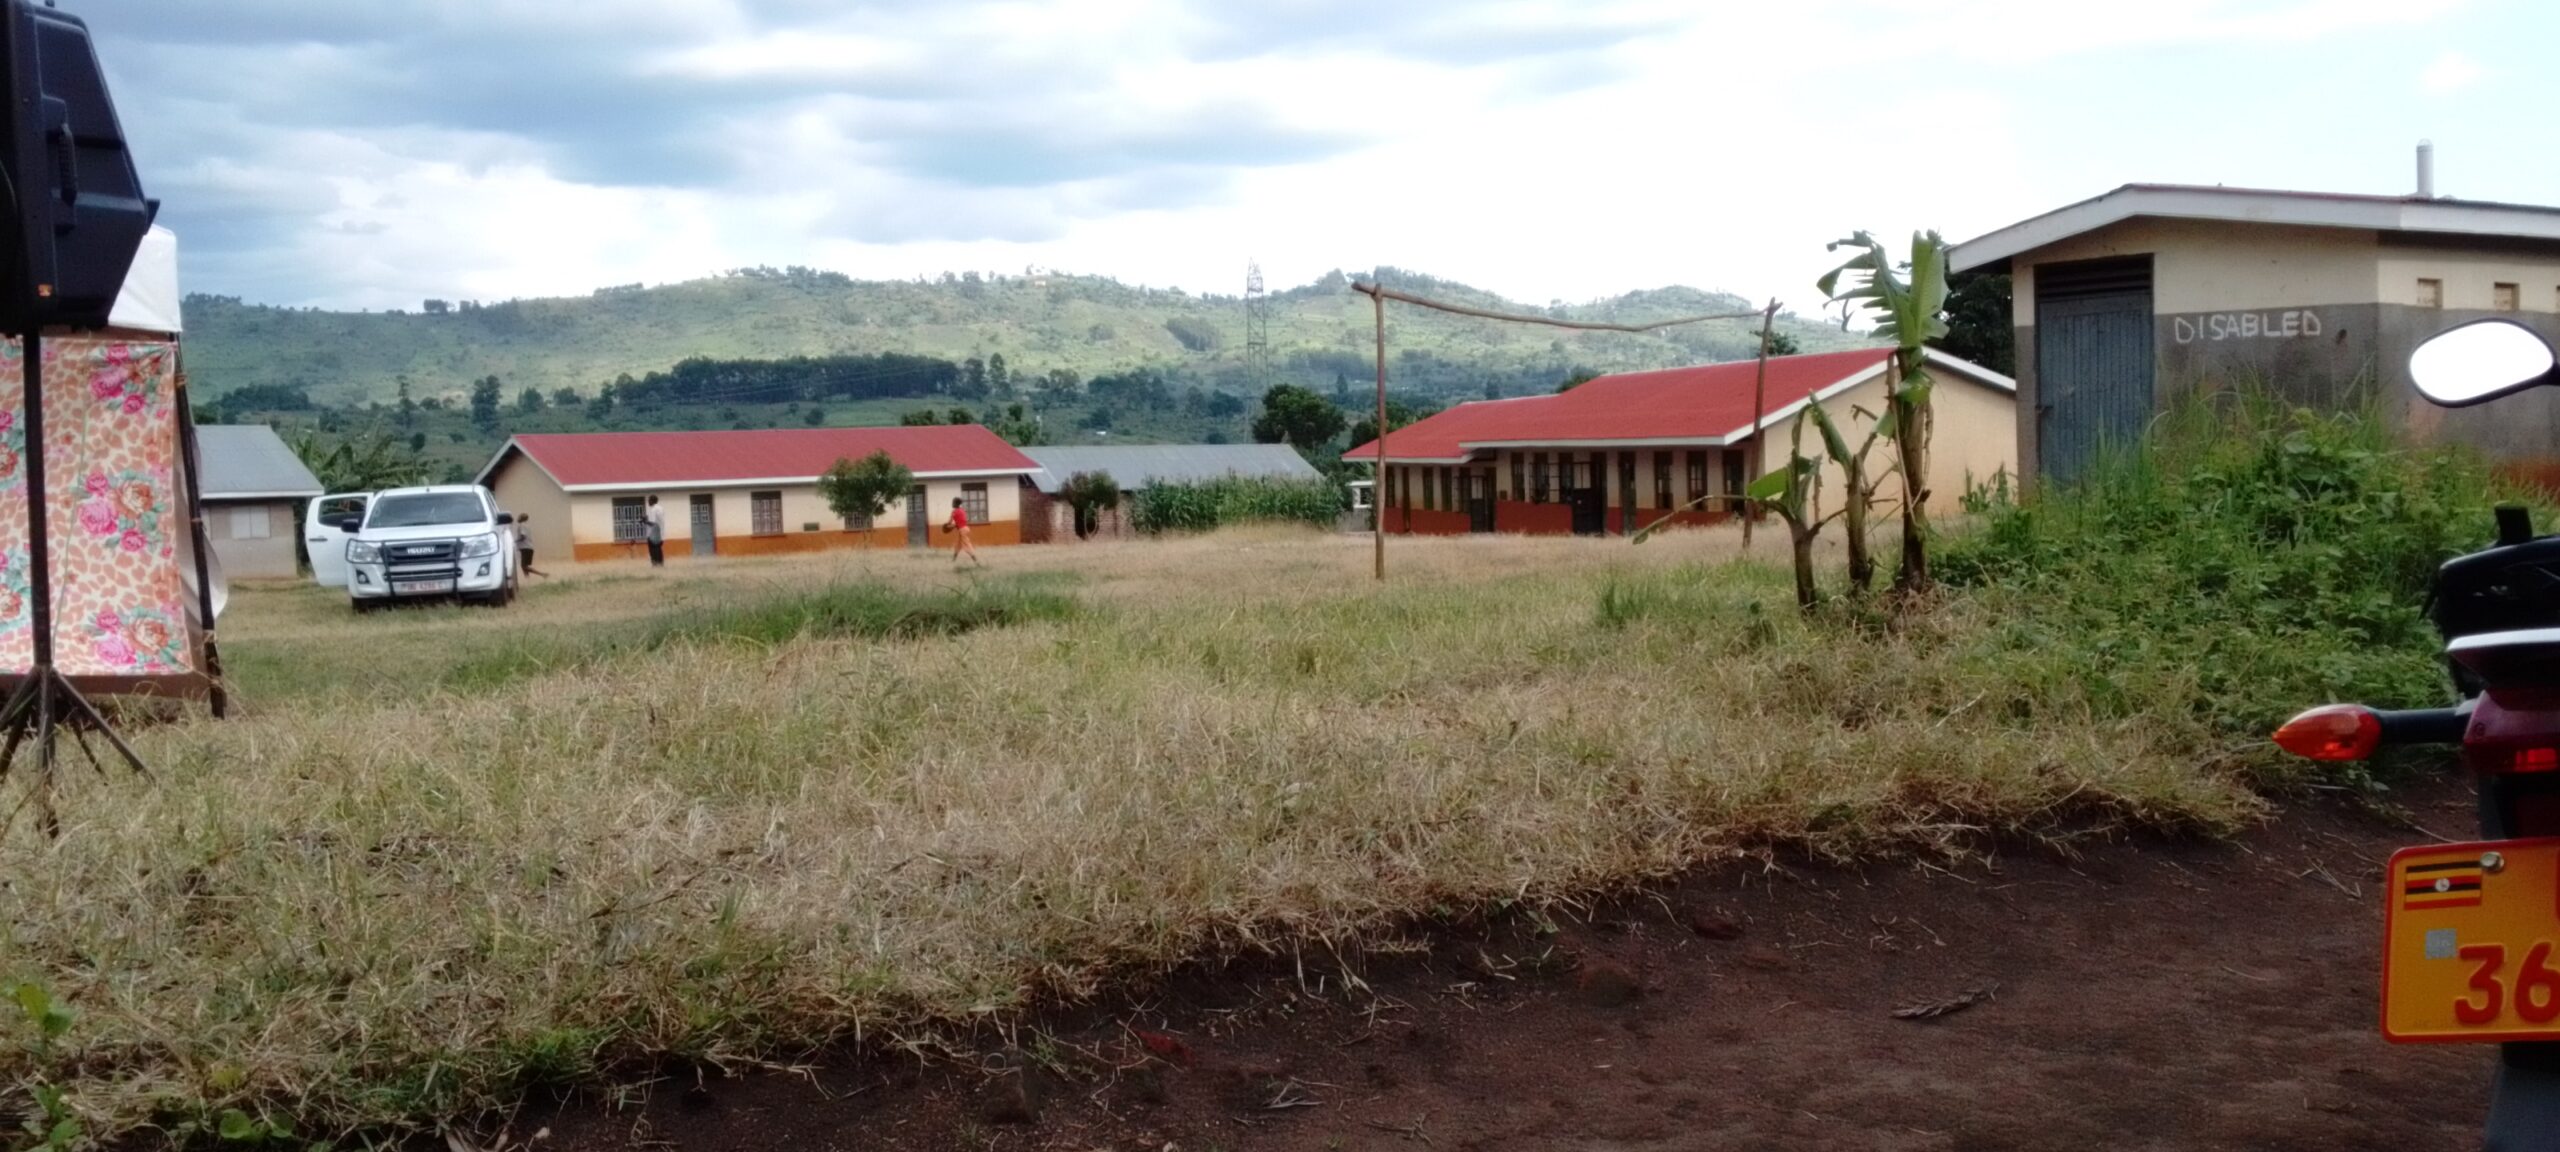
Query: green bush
{"x": 2251, "y": 560}
{"x": 1232, "y": 500}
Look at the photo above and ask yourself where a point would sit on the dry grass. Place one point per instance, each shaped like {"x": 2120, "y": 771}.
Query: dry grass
{"x": 378, "y": 903}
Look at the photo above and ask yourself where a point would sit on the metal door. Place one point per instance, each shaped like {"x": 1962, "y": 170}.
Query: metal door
{"x": 706, "y": 534}
{"x": 919, "y": 534}
{"x": 1479, "y": 499}
{"x": 1626, "y": 493}
{"x": 2093, "y": 361}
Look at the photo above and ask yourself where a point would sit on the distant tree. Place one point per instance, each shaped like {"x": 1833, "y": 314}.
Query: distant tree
{"x": 530, "y": 401}
{"x": 1193, "y": 335}
{"x": 1213, "y": 436}
{"x": 973, "y": 376}
{"x": 456, "y": 438}
{"x": 858, "y": 491}
{"x": 999, "y": 379}
{"x": 919, "y": 418}
{"x": 959, "y": 416}
{"x": 814, "y": 417}
{"x": 1296, "y": 416}
{"x": 1223, "y": 406}
{"x": 484, "y": 403}
{"x": 567, "y": 397}
{"x": 1781, "y": 344}
{"x": 1399, "y": 414}
{"x": 1088, "y": 493}
{"x": 431, "y": 404}
{"x": 1979, "y": 324}
{"x": 1096, "y": 420}
{"x": 350, "y": 466}
{"x": 417, "y": 441}
{"x": 729, "y": 413}
{"x": 437, "y": 307}
{"x": 1017, "y": 426}
{"x": 267, "y": 398}
{"x": 1492, "y": 391}
{"x": 208, "y": 412}
{"x": 603, "y": 406}
{"x": 408, "y": 407}
{"x": 1059, "y": 386}
{"x": 1342, "y": 397}
{"x": 1580, "y": 377}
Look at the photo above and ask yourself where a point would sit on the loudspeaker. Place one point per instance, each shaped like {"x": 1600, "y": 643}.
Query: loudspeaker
{"x": 70, "y": 185}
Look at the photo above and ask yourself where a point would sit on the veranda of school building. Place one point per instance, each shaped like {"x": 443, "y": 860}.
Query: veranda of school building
{"x": 749, "y": 493}
{"x": 1621, "y": 453}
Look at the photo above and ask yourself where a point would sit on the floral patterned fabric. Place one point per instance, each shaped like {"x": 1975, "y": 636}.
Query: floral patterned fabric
{"x": 113, "y": 512}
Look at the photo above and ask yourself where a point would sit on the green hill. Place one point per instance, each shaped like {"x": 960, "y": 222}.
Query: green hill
{"x": 1083, "y": 324}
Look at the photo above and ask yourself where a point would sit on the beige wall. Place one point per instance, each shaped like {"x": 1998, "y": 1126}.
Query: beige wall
{"x": 2210, "y": 266}
{"x": 252, "y": 557}
{"x": 525, "y": 490}
{"x": 2469, "y": 277}
{"x": 590, "y": 515}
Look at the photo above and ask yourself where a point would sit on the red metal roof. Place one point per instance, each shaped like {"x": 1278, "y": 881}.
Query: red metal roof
{"x": 590, "y": 459}
{"x": 1707, "y": 402}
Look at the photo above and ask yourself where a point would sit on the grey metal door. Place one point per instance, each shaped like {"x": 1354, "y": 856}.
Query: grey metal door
{"x": 919, "y": 534}
{"x": 706, "y": 534}
{"x": 2093, "y": 361}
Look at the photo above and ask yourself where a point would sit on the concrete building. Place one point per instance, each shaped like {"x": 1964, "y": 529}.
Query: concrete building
{"x": 748, "y": 493}
{"x": 2128, "y": 301}
{"x": 1047, "y": 519}
{"x": 1621, "y": 453}
{"x": 253, "y": 489}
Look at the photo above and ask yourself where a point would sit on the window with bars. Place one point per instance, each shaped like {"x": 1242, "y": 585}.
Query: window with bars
{"x": 765, "y": 513}
{"x": 251, "y": 522}
{"x": 1538, "y": 478}
{"x": 1735, "y": 479}
{"x": 2430, "y": 293}
{"x": 1519, "y": 477}
{"x": 973, "y": 500}
{"x": 1430, "y": 489}
{"x": 1697, "y": 476}
{"x": 630, "y": 519}
{"x": 860, "y": 522}
{"x": 2504, "y": 297}
{"x": 1662, "y": 480}
{"x": 1626, "y": 479}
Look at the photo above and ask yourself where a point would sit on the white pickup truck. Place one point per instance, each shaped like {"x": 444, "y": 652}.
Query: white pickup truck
{"x": 424, "y": 543}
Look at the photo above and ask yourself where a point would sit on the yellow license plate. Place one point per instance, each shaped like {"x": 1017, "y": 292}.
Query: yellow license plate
{"x": 2471, "y": 943}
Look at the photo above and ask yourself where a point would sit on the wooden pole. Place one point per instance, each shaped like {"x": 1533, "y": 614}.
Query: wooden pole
{"x": 1378, "y": 482}
{"x": 1759, "y": 411}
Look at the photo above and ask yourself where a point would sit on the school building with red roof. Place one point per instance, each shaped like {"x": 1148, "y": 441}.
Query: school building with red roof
{"x": 1619, "y": 453}
{"x": 751, "y": 492}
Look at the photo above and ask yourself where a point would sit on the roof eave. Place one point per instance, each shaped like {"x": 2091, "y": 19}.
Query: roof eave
{"x": 683, "y": 485}
{"x": 2304, "y": 210}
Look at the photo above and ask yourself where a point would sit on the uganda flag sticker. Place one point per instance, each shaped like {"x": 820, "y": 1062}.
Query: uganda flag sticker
{"x": 2440, "y": 881}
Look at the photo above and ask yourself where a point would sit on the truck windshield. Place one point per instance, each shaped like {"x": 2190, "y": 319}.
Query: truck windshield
{"x": 421, "y": 509}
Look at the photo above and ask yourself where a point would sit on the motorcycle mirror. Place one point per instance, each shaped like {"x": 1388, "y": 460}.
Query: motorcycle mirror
{"x": 2481, "y": 361}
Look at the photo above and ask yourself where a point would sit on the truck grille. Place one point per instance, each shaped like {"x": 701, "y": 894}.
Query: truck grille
{"x": 409, "y": 560}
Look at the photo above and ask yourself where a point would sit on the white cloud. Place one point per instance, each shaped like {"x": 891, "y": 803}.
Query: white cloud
{"x": 1543, "y": 148}
{"x": 2451, "y": 71}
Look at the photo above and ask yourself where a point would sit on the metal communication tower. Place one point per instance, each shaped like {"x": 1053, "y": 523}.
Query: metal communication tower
{"x": 1257, "y": 329}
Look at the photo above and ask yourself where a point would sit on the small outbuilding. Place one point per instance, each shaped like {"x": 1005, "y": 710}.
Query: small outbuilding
{"x": 2127, "y": 301}
{"x": 253, "y": 487}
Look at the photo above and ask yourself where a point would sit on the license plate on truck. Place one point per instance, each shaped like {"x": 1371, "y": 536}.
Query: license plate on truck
{"x": 2471, "y": 943}
{"x": 421, "y": 587}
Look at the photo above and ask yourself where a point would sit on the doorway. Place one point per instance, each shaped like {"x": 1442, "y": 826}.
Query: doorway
{"x": 706, "y": 534}
{"x": 919, "y": 535}
{"x": 2093, "y": 361}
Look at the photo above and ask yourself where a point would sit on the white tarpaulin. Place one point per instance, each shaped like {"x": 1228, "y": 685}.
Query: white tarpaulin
{"x": 149, "y": 301}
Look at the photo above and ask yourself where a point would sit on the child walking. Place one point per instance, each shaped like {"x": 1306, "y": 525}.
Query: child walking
{"x": 959, "y": 523}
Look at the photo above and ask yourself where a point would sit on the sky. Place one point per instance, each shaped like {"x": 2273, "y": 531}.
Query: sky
{"x": 373, "y": 154}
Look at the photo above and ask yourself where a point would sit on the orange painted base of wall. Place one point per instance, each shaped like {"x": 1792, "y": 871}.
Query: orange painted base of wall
{"x": 993, "y": 534}
{"x": 1536, "y": 519}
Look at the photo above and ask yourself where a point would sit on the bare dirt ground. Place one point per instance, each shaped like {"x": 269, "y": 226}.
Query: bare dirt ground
{"x": 2143, "y": 993}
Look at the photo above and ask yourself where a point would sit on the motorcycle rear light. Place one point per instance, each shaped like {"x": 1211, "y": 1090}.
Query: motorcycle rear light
{"x": 2514, "y": 731}
{"x": 2534, "y": 760}
{"x": 2333, "y": 732}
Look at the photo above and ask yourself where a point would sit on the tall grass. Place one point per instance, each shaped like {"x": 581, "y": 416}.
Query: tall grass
{"x": 394, "y": 907}
{"x": 2250, "y": 560}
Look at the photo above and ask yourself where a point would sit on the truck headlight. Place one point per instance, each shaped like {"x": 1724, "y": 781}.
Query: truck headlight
{"x": 363, "y": 552}
{"x": 474, "y": 547}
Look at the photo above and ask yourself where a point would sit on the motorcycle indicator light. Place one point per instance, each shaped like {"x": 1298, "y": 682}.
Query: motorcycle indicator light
{"x": 2334, "y": 732}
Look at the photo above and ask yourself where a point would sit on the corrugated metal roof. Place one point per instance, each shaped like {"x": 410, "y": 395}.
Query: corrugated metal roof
{"x": 1707, "y": 404}
{"x": 1137, "y": 466}
{"x": 2439, "y": 214}
{"x": 672, "y": 459}
{"x": 246, "y": 461}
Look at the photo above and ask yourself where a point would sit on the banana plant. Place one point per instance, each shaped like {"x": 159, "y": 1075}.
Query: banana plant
{"x": 1910, "y": 300}
{"x": 1794, "y": 492}
{"x": 1859, "y": 501}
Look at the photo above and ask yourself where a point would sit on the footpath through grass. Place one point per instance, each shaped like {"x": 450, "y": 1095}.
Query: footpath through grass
{"x": 733, "y": 815}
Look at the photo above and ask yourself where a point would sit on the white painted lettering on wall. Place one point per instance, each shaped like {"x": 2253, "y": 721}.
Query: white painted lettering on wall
{"x": 2288, "y": 325}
